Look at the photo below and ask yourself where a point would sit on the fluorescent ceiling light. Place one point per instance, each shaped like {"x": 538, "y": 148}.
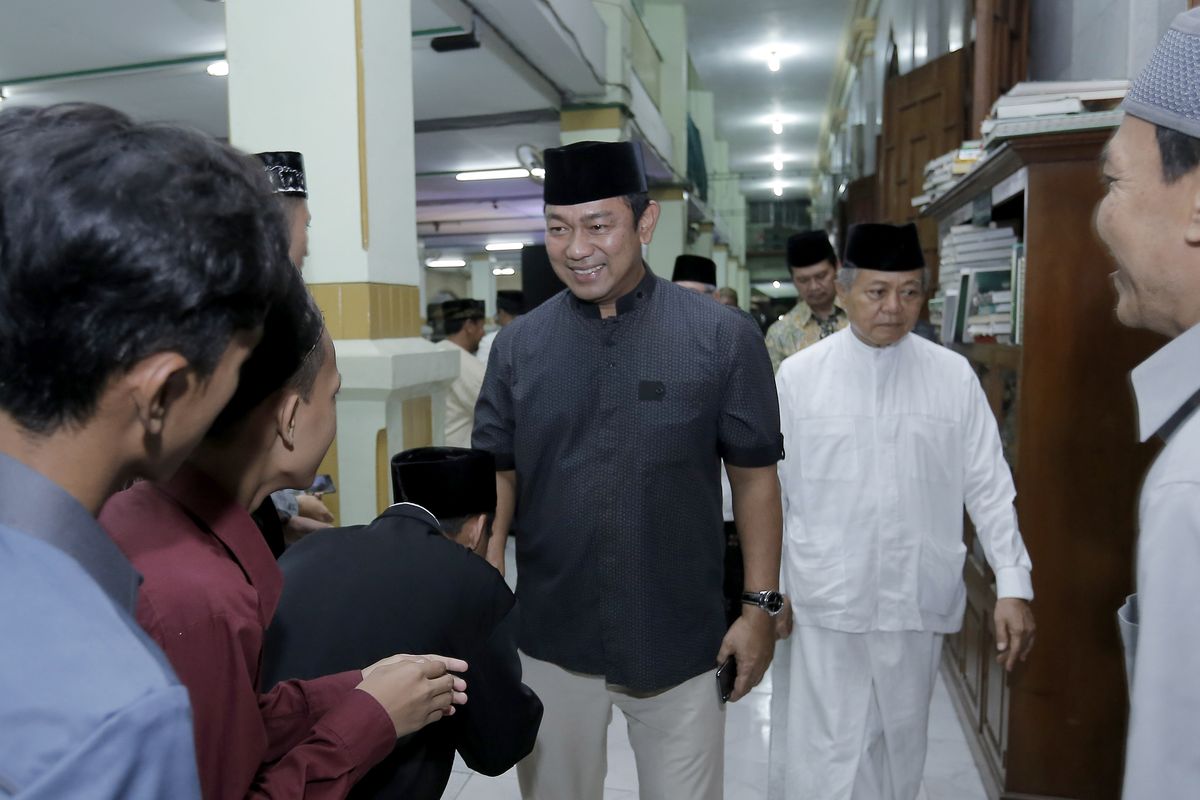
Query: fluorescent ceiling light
{"x": 504, "y": 271}
{"x": 218, "y": 69}
{"x": 773, "y": 61}
{"x": 445, "y": 263}
{"x": 492, "y": 174}
{"x": 537, "y": 172}
{"x": 501, "y": 246}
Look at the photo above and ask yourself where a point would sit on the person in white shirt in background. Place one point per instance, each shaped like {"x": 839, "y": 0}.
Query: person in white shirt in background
{"x": 510, "y": 304}
{"x": 1150, "y": 220}
{"x": 886, "y": 436}
{"x": 464, "y": 330}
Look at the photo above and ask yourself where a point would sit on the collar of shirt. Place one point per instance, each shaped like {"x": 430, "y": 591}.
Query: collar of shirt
{"x": 34, "y": 505}
{"x": 869, "y": 350}
{"x": 632, "y": 301}
{"x": 1167, "y": 382}
{"x": 209, "y": 505}
{"x": 412, "y": 511}
{"x": 803, "y": 314}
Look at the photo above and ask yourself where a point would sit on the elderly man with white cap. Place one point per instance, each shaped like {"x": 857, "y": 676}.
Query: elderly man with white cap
{"x": 1150, "y": 219}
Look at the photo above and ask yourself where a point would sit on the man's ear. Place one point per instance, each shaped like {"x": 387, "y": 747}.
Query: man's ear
{"x": 285, "y": 419}
{"x": 156, "y": 384}
{"x": 472, "y": 532}
{"x": 1192, "y": 233}
{"x": 646, "y": 225}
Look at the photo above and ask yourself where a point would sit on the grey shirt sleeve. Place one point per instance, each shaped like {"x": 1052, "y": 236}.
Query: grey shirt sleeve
{"x": 1164, "y": 722}
{"x": 748, "y": 428}
{"x": 494, "y": 414}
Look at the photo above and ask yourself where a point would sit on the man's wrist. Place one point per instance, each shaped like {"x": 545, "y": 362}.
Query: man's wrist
{"x": 768, "y": 601}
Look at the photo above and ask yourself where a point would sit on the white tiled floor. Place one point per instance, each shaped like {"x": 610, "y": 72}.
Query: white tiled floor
{"x": 950, "y": 772}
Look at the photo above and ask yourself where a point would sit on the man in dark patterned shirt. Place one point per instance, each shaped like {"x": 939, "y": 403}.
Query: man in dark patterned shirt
{"x": 609, "y": 409}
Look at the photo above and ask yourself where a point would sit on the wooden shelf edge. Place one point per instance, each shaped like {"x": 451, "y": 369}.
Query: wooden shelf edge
{"x": 1012, "y": 155}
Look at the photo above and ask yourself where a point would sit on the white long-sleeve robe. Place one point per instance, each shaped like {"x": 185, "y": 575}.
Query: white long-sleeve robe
{"x": 884, "y": 446}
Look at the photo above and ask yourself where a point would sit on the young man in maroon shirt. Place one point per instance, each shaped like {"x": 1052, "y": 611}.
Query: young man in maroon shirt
{"x": 211, "y": 587}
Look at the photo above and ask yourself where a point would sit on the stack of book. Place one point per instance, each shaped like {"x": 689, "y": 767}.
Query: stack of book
{"x": 1035, "y": 107}
{"x": 944, "y": 171}
{"x": 960, "y": 302}
{"x": 971, "y": 247}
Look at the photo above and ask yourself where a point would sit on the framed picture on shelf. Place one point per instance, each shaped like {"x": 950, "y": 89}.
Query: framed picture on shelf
{"x": 978, "y": 315}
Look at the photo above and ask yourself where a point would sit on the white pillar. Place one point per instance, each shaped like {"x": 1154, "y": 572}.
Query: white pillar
{"x": 720, "y": 257}
{"x": 483, "y": 282}
{"x": 670, "y": 236}
{"x": 325, "y": 79}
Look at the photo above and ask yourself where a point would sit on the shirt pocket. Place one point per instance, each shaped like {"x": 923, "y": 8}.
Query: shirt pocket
{"x": 816, "y": 568}
{"x": 940, "y": 587}
{"x": 828, "y": 450}
{"x": 930, "y": 451}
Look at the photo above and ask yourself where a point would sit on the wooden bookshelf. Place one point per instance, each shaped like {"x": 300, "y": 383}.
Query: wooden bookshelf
{"x": 1055, "y": 727}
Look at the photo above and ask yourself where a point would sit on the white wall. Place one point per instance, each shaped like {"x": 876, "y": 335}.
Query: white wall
{"x": 1083, "y": 39}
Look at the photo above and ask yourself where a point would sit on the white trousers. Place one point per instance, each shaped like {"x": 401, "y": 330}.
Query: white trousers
{"x": 678, "y": 737}
{"x": 851, "y": 714}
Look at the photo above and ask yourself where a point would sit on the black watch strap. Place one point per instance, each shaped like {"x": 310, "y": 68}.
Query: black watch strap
{"x": 769, "y": 601}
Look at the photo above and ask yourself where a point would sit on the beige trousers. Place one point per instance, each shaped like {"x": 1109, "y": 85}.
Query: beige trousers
{"x": 678, "y": 737}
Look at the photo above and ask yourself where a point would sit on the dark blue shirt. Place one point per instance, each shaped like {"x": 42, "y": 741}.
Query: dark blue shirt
{"x": 616, "y": 429}
{"x": 89, "y": 706}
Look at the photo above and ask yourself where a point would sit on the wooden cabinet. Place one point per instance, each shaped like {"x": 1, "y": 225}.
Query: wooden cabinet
{"x": 1055, "y": 727}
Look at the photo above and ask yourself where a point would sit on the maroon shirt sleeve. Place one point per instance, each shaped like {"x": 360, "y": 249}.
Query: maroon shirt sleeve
{"x": 292, "y": 708}
{"x": 334, "y": 736}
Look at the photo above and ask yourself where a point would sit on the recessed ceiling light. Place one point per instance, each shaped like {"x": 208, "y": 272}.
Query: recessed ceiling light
{"x": 777, "y": 125}
{"x": 778, "y": 164}
{"x": 492, "y": 174}
{"x": 773, "y": 63}
{"x": 218, "y": 69}
{"x": 776, "y": 284}
{"x": 445, "y": 263}
{"x": 778, "y": 190}
{"x": 502, "y": 246}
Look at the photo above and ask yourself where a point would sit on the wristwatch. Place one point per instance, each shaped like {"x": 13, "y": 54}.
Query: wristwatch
{"x": 769, "y": 601}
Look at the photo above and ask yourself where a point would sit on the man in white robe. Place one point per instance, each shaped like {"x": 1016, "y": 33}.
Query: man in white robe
{"x": 887, "y": 436}
{"x": 464, "y": 330}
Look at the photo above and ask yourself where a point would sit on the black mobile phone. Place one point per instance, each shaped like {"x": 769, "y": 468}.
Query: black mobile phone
{"x": 322, "y": 485}
{"x": 726, "y": 675}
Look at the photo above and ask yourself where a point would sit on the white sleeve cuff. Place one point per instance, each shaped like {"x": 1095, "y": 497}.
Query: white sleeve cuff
{"x": 1014, "y": 582}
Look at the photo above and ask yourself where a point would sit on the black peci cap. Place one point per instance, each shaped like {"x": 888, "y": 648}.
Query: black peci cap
{"x": 887, "y": 248}
{"x": 587, "y": 171}
{"x": 448, "y": 481}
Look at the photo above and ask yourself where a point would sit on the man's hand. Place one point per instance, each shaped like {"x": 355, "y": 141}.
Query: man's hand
{"x": 751, "y": 642}
{"x": 1015, "y": 631}
{"x": 311, "y": 507}
{"x": 415, "y": 690}
{"x": 783, "y": 621}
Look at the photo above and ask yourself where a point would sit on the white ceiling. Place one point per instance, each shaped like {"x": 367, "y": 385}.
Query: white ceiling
{"x": 476, "y": 106}
{"x": 728, "y": 42}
